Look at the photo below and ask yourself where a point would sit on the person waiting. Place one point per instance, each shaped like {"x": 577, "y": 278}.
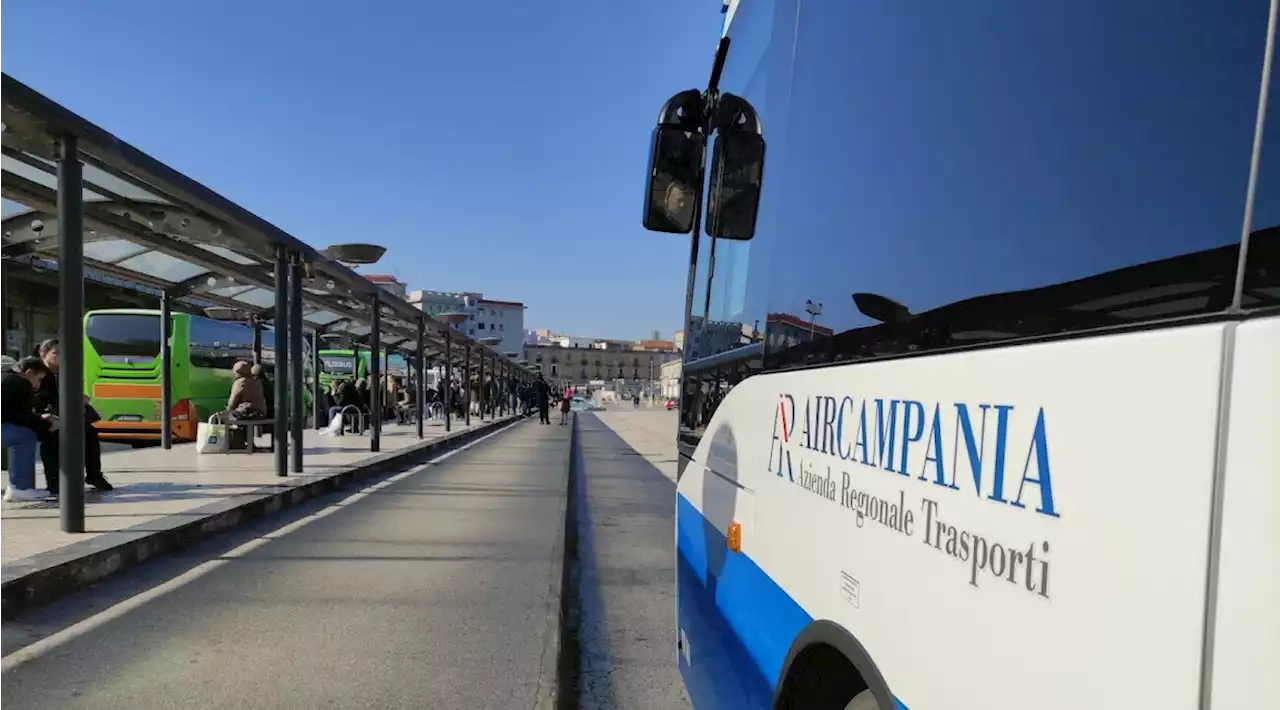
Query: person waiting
{"x": 247, "y": 401}
{"x": 21, "y": 428}
{"x": 46, "y": 402}
{"x": 343, "y": 394}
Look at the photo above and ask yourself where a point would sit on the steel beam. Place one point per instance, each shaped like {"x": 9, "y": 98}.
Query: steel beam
{"x": 296, "y": 383}
{"x": 279, "y": 437}
{"x": 71, "y": 406}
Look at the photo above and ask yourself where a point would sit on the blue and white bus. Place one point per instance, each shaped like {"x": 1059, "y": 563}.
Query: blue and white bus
{"x": 981, "y": 391}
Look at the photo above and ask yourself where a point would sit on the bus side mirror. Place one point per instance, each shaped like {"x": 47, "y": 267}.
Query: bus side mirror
{"x": 737, "y": 172}
{"x": 675, "y": 174}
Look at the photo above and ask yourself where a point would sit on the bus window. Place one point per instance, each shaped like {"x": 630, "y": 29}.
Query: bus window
{"x": 124, "y": 338}
{"x": 219, "y": 344}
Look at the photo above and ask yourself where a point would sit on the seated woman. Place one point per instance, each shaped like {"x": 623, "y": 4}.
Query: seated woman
{"x": 247, "y": 400}
{"x": 406, "y": 405}
{"x": 343, "y": 394}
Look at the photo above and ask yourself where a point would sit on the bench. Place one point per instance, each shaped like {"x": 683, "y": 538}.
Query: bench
{"x": 251, "y": 428}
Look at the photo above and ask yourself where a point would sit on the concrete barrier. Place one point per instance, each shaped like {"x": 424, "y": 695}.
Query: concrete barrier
{"x": 44, "y": 577}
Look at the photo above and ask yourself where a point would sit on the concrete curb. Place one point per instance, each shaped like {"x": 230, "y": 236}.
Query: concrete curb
{"x": 557, "y": 663}
{"x": 44, "y": 577}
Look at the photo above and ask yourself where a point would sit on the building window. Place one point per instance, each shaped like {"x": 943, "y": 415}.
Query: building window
{"x": 480, "y": 326}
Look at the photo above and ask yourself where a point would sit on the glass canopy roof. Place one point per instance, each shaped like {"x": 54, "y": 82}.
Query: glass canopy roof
{"x": 150, "y": 226}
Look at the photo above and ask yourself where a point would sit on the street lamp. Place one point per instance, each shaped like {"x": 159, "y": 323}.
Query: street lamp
{"x": 355, "y": 254}
{"x": 814, "y": 310}
{"x": 226, "y": 313}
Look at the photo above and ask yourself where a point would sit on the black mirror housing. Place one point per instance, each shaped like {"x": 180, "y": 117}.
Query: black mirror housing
{"x": 737, "y": 174}
{"x": 676, "y": 158}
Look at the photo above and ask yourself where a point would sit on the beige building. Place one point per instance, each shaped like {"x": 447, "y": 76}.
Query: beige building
{"x": 669, "y": 384}
{"x": 581, "y": 365}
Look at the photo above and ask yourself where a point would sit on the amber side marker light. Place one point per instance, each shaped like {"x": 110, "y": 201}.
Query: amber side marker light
{"x": 735, "y": 536}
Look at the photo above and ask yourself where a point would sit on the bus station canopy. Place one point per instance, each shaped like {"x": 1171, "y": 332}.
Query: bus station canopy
{"x": 148, "y": 224}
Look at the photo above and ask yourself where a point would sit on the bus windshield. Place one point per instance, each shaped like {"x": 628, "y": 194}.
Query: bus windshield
{"x": 125, "y": 338}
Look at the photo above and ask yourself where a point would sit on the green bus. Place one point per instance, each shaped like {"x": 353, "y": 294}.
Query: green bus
{"x": 122, "y": 370}
{"x": 342, "y": 363}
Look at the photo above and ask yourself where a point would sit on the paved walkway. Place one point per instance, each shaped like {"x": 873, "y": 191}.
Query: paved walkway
{"x": 153, "y": 483}
{"x": 426, "y": 590}
{"x": 625, "y": 575}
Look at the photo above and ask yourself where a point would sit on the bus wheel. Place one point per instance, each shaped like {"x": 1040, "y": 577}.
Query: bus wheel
{"x": 863, "y": 701}
{"x": 821, "y": 677}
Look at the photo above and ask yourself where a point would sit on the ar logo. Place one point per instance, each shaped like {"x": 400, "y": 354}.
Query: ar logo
{"x": 784, "y": 425}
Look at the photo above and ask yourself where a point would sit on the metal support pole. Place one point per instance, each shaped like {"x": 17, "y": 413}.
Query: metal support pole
{"x": 318, "y": 408}
{"x": 420, "y": 387}
{"x": 257, "y": 342}
{"x": 481, "y": 386}
{"x": 296, "y": 382}
{"x": 4, "y": 306}
{"x": 166, "y": 375}
{"x": 466, "y": 388}
{"x": 4, "y": 331}
{"x": 71, "y": 328}
{"x": 280, "y": 439}
{"x": 375, "y": 376}
{"x": 448, "y": 382}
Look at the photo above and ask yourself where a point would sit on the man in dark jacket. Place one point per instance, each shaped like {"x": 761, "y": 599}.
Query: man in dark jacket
{"x": 542, "y": 395}
{"x": 20, "y": 426}
{"x": 47, "y": 402}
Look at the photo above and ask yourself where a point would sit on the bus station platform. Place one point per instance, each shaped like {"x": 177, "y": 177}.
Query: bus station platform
{"x": 439, "y": 586}
{"x": 166, "y": 499}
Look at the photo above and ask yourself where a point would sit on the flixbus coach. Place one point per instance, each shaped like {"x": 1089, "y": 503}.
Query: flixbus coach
{"x": 122, "y": 370}
{"x": 981, "y": 382}
{"x": 342, "y": 363}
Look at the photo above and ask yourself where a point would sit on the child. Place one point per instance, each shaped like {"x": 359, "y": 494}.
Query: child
{"x": 564, "y": 410}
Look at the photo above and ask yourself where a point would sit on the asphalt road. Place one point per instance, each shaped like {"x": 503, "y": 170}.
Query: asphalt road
{"x": 426, "y": 590}
{"x": 625, "y": 571}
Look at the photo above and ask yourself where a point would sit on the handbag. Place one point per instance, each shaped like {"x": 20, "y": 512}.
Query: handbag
{"x": 212, "y": 437}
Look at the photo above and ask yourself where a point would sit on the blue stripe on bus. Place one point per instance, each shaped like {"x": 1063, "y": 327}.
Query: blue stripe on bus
{"x": 739, "y": 622}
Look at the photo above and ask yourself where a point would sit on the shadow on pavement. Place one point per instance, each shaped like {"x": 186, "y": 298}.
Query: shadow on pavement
{"x": 623, "y": 574}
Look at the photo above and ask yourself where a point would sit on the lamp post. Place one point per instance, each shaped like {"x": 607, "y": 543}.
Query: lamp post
{"x": 814, "y": 310}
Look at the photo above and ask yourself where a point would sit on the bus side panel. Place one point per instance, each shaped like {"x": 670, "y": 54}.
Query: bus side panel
{"x": 1018, "y": 527}
{"x": 1247, "y": 638}
{"x": 727, "y": 660}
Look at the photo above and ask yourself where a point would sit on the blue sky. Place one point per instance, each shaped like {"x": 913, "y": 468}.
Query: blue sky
{"x": 492, "y": 146}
